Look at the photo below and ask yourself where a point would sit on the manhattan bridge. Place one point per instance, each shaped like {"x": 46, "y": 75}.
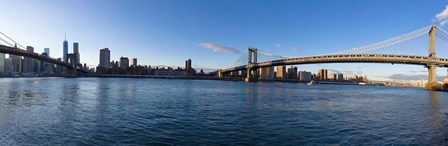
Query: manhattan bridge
{"x": 414, "y": 48}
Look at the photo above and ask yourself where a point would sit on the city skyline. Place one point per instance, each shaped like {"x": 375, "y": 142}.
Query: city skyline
{"x": 170, "y": 45}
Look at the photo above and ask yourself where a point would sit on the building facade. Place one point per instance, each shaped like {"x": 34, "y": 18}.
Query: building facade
{"x": 267, "y": 73}
{"x": 292, "y": 72}
{"x": 124, "y": 62}
{"x": 76, "y": 52}
{"x": 305, "y": 76}
{"x": 134, "y": 62}
{"x": 281, "y": 72}
{"x": 28, "y": 63}
{"x": 65, "y": 50}
{"x": 105, "y": 58}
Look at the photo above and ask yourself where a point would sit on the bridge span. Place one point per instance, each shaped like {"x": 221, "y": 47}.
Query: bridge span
{"x": 357, "y": 55}
{"x": 347, "y": 58}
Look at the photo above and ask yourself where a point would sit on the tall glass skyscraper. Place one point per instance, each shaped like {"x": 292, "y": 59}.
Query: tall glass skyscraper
{"x": 47, "y": 50}
{"x": 65, "y": 51}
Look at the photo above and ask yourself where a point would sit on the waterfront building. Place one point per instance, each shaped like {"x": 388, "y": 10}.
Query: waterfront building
{"x": 333, "y": 77}
{"x": 65, "y": 50}
{"x": 76, "y": 52}
{"x": 305, "y": 76}
{"x": 340, "y": 77}
{"x": 105, "y": 58}
{"x": 134, "y": 62}
{"x": 8, "y": 66}
{"x": 292, "y": 73}
{"x": 124, "y": 62}
{"x": 16, "y": 62}
{"x": 323, "y": 74}
{"x": 188, "y": 69}
{"x": 281, "y": 72}
{"x": 47, "y": 51}
{"x": 28, "y": 63}
{"x": 267, "y": 73}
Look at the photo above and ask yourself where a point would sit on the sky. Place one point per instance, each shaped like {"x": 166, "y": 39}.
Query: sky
{"x": 214, "y": 33}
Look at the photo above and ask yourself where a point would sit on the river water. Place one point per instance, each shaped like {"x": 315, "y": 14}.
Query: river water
{"x": 119, "y": 111}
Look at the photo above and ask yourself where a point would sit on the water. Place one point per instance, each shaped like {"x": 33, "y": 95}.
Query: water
{"x": 94, "y": 111}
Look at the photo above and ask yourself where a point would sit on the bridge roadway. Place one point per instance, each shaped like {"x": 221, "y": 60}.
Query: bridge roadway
{"x": 348, "y": 58}
{"x": 24, "y": 53}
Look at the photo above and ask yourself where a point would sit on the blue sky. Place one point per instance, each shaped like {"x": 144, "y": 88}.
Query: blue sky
{"x": 167, "y": 32}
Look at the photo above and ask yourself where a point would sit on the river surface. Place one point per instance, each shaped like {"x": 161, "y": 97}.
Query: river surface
{"x": 119, "y": 111}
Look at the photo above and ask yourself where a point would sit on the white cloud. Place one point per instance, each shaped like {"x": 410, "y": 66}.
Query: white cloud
{"x": 218, "y": 48}
{"x": 278, "y": 45}
{"x": 295, "y": 49}
{"x": 442, "y": 17}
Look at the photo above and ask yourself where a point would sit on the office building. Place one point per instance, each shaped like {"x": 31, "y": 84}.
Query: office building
{"x": 65, "y": 50}
{"x": 134, "y": 62}
{"x": 8, "y": 65}
{"x": 281, "y": 72}
{"x": 105, "y": 58}
{"x": 267, "y": 73}
{"x": 188, "y": 69}
{"x": 28, "y": 63}
{"x": 305, "y": 76}
{"x": 124, "y": 62}
{"x": 340, "y": 77}
{"x": 292, "y": 72}
{"x": 16, "y": 62}
{"x": 76, "y": 52}
{"x": 323, "y": 74}
{"x": 333, "y": 77}
{"x": 47, "y": 51}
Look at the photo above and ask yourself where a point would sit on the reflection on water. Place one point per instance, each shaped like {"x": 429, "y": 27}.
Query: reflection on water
{"x": 86, "y": 111}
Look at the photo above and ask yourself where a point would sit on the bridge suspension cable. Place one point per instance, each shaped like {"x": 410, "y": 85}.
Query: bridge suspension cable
{"x": 386, "y": 43}
{"x": 19, "y": 45}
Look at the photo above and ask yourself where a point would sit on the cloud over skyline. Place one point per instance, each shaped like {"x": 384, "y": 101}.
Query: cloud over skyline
{"x": 412, "y": 77}
{"x": 295, "y": 49}
{"x": 278, "y": 45}
{"x": 442, "y": 17}
{"x": 219, "y": 48}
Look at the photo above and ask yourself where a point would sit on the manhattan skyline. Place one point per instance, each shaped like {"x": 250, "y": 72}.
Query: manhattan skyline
{"x": 215, "y": 33}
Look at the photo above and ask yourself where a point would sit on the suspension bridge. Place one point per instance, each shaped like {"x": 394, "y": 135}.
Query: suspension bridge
{"x": 248, "y": 65}
{"x": 11, "y": 47}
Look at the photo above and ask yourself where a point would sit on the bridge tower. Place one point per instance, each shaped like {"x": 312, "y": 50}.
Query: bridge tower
{"x": 251, "y": 61}
{"x": 432, "y": 55}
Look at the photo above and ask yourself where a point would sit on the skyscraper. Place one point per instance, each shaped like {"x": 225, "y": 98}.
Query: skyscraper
{"x": 281, "y": 72}
{"x": 105, "y": 58}
{"x": 188, "y": 68}
{"x": 76, "y": 51}
{"x": 28, "y": 63}
{"x": 134, "y": 62}
{"x": 16, "y": 64}
{"x": 305, "y": 76}
{"x": 323, "y": 74}
{"x": 47, "y": 51}
{"x": 292, "y": 72}
{"x": 124, "y": 62}
{"x": 65, "y": 50}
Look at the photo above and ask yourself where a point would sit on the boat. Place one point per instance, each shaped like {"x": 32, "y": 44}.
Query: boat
{"x": 311, "y": 83}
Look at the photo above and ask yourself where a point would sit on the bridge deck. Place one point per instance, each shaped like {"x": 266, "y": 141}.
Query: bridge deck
{"x": 24, "y": 53}
{"x": 348, "y": 58}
